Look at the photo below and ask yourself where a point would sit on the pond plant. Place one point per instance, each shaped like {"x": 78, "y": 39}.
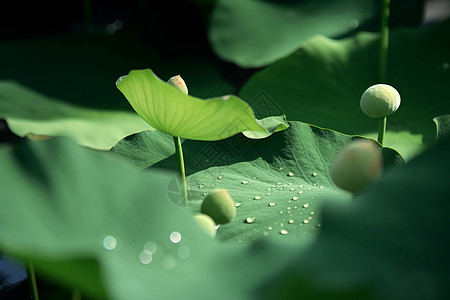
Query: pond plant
{"x": 186, "y": 197}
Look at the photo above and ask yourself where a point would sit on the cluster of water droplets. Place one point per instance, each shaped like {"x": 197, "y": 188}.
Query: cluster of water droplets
{"x": 166, "y": 253}
{"x": 294, "y": 204}
{"x": 295, "y": 209}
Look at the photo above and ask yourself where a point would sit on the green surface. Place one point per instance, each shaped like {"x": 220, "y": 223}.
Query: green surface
{"x": 31, "y": 113}
{"x": 279, "y": 181}
{"x": 86, "y": 219}
{"x": 170, "y": 111}
{"x": 390, "y": 243}
{"x": 254, "y": 33}
{"x": 323, "y": 81}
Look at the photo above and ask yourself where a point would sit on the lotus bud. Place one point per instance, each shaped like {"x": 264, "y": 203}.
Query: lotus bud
{"x": 358, "y": 165}
{"x": 380, "y": 100}
{"x": 179, "y": 83}
{"x": 219, "y": 206}
{"x": 206, "y": 223}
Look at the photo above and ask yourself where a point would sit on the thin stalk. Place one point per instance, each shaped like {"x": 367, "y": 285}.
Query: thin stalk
{"x": 32, "y": 280}
{"x": 381, "y": 130}
{"x": 383, "y": 63}
{"x": 384, "y": 43}
{"x": 179, "y": 153}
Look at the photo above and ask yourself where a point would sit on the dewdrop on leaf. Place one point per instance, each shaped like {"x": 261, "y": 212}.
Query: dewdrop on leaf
{"x": 358, "y": 165}
{"x": 380, "y": 100}
{"x": 178, "y": 82}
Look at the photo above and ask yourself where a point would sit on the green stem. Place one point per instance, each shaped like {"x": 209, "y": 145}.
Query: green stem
{"x": 381, "y": 130}
{"x": 32, "y": 280}
{"x": 384, "y": 43}
{"x": 179, "y": 152}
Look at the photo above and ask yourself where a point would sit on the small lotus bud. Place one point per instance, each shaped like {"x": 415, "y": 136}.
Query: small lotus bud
{"x": 179, "y": 83}
{"x": 219, "y": 206}
{"x": 206, "y": 223}
{"x": 380, "y": 100}
{"x": 358, "y": 165}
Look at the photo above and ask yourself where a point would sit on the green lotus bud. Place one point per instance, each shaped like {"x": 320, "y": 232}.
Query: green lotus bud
{"x": 179, "y": 83}
{"x": 380, "y": 100}
{"x": 219, "y": 206}
{"x": 358, "y": 165}
{"x": 206, "y": 223}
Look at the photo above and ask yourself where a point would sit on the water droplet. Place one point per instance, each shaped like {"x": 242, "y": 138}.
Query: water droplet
{"x": 273, "y": 186}
{"x": 272, "y": 204}
{"x": 204, "y": 194}
{"x": 284, "y": 185}
{"x": 281, "y": 212}
{"x": 150, "y": 247}
{"x": 220, "y": 177}
{"x": 283, "y": 231}
{"x": 244, "y": 182}
{"x": 109, "y": 242}
{"x": 321, "y": 187}
{"x": 305, "y": 221}
{"x": 312, "y": 213}
{"x": 354, "y": 23}
{"x": 175, "y": 237}
{"x": 306, "y": 205}
{"x": 168, "y": 262}
{"x": 268, "y": 194}
{"x": 292, "y": 189}
{"x": 254, "y": 178}
{"x": 213, "y": 184}
{"x": 314, "y": 174}
{"x": 300, "y": 186}
{"x": 183, "y": 252}
{"x": 201, "y": 186}
{"x": 145, "y": 257}
{"x": 199, "y": 183}
{"x": 291, "y": 221}
{"x": 295, "y": 198}
{"x": 257, "y": 197}
{"x": 319, "y": 225}
{"x": 291, "y": 174}
{"x": 269, "y": 228}
{"x": 269, "y": 189}
{"x": 250, "y": 220}
{"x": 315, "y": 184}
{"x": 237, "y": 204}
{"x": 300, "y": 192}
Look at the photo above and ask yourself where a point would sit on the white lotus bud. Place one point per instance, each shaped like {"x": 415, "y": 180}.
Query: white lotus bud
{"x": 380, "y": 100}
{"x": 358, "y": 165}
{"x": 179, "y": 83}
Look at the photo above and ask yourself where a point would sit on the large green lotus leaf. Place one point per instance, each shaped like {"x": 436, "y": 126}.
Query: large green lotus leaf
{"x": 103, "y": 227}
{"x": 323, "y": 81}
{"x": 30, "y": 113}
{"x": 391, "y": 243}
{"x": 254, "y": 33}
{"x": 170, "y": 111}
{"x": 278, "y": 182}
